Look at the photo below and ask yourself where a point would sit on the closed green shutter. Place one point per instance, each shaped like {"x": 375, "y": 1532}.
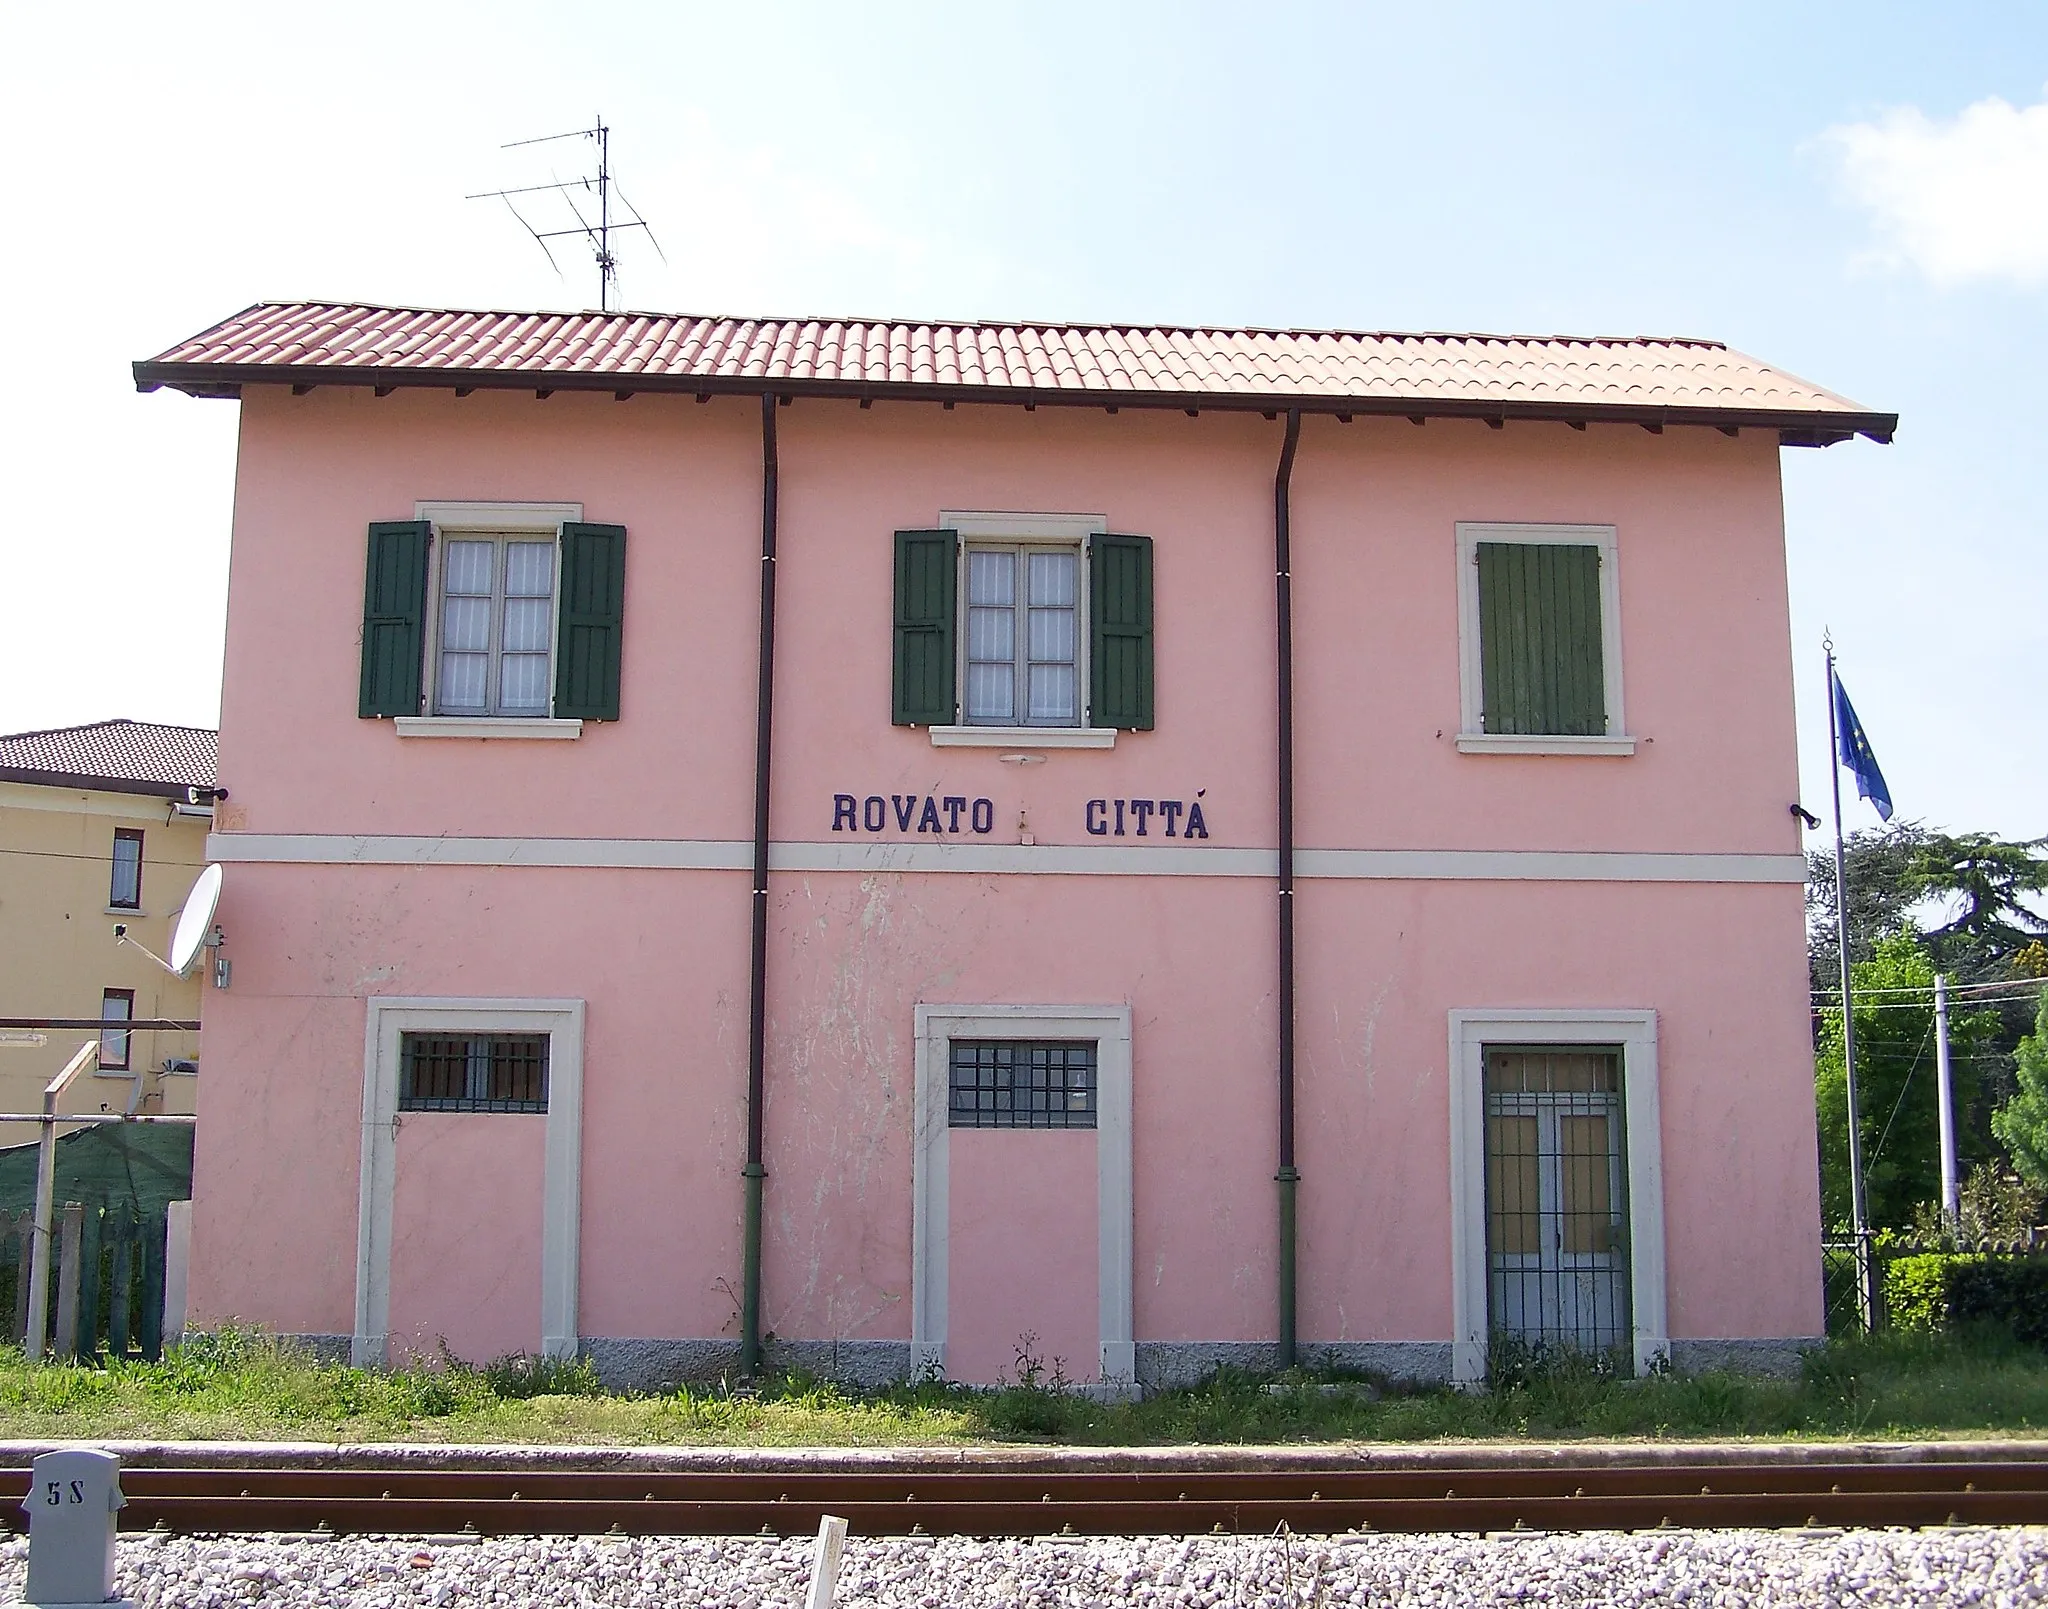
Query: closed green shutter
{"x": 591, "y": 631}
{"x": 1539, "y": 638}
{"x": 394, "y": 618}
{"x": 1120, "y": 632}
{"x": 927, "y": 576}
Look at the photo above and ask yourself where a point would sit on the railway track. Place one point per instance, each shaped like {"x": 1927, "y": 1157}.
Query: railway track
{"x": 1153, "y": 1501}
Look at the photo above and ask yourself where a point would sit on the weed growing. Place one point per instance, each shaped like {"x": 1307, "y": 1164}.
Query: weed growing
{"x": 247, "y": 1385}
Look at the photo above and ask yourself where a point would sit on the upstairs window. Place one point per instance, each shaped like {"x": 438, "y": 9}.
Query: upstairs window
{"x": 1023, "y": 636}
{"x": 125, "y": 894}
{"x": 1008, "y": 623}
{"x": 497, "y": 626}
{"x": 487, "y": 616}
{"x": 1539, "y": 628}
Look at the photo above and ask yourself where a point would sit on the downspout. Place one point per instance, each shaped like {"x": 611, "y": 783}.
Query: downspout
{"x": 1287, "y": 1177}
{"x": 757, "y": 1011}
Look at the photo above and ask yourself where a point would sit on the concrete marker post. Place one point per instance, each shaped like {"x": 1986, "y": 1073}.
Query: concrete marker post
{"x": 74, "y": 1501}
{"x": 825, "y": 1562}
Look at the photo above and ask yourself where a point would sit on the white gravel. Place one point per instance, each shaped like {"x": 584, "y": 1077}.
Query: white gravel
{"x": 1693, "y": 1568}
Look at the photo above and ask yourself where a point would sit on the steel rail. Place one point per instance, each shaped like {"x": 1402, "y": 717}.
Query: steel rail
{"x": 1004, "y": 1503}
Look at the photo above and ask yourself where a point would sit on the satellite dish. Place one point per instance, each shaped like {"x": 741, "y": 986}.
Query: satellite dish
{"x": 196, "y": 922}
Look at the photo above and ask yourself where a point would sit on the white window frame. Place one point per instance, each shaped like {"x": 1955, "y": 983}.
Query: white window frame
{"x": 1472, "y": 736}
{"x": 520, "y": 522}
{"x": 1635, "y": 1031}
{"x": 997, "y": 529}
{"x": 1109, "y": 1026}
{"x": 389, "y": 1018}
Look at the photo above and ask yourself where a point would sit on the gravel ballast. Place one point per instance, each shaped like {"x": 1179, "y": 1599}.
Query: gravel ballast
{"x": 1978, "y": 1566}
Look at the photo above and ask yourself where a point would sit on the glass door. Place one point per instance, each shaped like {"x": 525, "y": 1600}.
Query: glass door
{"x": 1557, "y": 1197}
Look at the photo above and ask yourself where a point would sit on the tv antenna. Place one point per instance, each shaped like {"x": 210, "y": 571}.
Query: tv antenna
{"x": 608, "y": 209}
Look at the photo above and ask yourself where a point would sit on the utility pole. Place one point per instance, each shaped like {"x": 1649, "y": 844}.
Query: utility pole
{"x": 1951, "y": 1206}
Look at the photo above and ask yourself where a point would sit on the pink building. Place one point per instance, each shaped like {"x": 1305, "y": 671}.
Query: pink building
{"x": 828, "y": 837}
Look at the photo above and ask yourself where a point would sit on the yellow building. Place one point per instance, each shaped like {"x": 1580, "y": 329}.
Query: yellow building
{"x": 99, "y": 825}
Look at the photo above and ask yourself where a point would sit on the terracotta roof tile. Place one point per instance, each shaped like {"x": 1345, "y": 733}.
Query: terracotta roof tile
{"x": 140, "y": 754}
{"x": 1330, "y": 370}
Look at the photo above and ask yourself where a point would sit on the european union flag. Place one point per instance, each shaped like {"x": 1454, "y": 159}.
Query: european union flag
{"x": 1855, "y": 754}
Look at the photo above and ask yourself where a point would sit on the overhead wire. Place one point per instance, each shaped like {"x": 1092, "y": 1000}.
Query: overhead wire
{"x": 1919, "y": 1056}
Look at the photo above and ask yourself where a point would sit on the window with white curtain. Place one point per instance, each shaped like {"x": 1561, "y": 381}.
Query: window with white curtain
{"x": 496, "y": 625}
{"x": 1023, "y": 608}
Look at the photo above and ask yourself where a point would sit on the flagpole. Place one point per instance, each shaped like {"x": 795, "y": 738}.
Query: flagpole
{"x": 1866, "y": 1283}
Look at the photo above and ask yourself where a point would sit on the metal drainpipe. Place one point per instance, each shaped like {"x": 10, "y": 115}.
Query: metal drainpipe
{"x": 1287, "y": 1177}
{"x": 757, "y": 1014}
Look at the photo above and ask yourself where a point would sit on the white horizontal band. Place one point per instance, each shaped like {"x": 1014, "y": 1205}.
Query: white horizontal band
{"x": 1105, "y": 860}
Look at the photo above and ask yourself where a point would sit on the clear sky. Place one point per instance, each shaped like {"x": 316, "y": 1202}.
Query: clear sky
{"x": 1859, "y": 195}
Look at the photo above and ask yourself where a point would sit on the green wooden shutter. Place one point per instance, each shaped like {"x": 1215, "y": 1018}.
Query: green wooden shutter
{"x": 1539, "y": 638}
{"x": 1120, "y": 632}
{"x": 394, "y": 618}
{"x": 927, "y": 576}
{"x": 591, "y": 630}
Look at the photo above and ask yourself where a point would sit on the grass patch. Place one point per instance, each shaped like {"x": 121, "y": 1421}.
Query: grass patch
{"x": 243, "y": 1385}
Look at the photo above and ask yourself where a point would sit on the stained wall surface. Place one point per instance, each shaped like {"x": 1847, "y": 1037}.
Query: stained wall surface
{"x": 354, "y": 872}
{"x": 58, "y": 954}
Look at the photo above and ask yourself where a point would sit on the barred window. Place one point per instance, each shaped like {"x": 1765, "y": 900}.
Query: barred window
{"x": 1020, "y": 1084}
{"x": 473, "y": 1073}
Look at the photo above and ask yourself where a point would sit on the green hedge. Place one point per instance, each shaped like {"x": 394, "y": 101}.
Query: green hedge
{"x": 1915, "y": 1289}
{"x": 1952, "y": 1290}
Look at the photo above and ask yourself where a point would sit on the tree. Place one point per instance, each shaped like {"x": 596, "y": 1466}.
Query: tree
{"x": 1990, "y": 877}
{"x": 1894, "y": 868}
{"x": 1882, "y": 889}
{"x": 2021, "y": 1124}
{"x": 1898, "y": 1116}
{"x": 1982, "y": 883}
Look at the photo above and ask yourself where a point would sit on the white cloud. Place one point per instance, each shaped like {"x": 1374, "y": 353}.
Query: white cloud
{"x": 1960, "y": 199}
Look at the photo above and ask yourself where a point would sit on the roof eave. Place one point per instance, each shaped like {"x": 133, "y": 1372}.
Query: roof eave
{"x": 81, "y": 782}
{"x": 1800, "y": 427}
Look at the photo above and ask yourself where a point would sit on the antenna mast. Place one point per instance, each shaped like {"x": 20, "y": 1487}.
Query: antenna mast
{"x": 598, "y": 231}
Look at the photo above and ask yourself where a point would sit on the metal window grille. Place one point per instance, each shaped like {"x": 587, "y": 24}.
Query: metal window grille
{"x": 473, "y": 1073}
{"x": 1017, "y": 1084}
{"x": 1557, "y": 1197}
{"x": 126, "y": 890}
